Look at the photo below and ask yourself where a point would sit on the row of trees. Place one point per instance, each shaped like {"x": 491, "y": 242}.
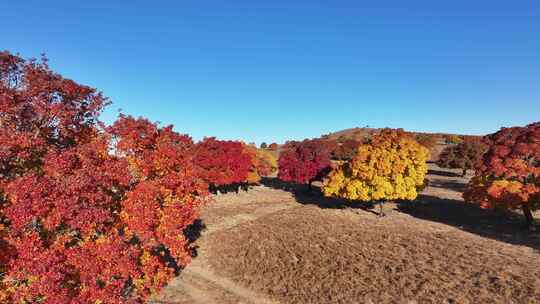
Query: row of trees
{"x": 272, "y": 146}
{"x": 96, "y": 214}
{"x": 391, "y": 165}
{"x": 507, "y": 168}
{"x": 336, "y": 150}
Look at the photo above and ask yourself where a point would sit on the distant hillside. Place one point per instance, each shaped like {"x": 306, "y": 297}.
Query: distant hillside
{"x": 352, "y": 133}
{"x": 360, "y": 133}
{"x": 435, "y": 142}
{"x": 438, "y": 141}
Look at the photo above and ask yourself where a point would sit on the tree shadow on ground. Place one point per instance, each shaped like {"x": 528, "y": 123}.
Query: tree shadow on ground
{"x": 503, "y": 226}
{"x": 305, "y": 196}
{"x": 192, "y": 233}
{"x": 448, "y": 184}
{"x": 507, "y": 226}
{"x": 443, "y": 173}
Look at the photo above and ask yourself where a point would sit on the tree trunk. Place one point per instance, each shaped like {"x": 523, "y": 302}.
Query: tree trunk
{"x": 529, "y": 220}
{"x": 381, "y": 211}
{"x": 310, "y": 187}
{"x": 464, "y": 173}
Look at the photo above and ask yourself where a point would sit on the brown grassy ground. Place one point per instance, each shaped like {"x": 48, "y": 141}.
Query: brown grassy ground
{"x": 276, "y": 246}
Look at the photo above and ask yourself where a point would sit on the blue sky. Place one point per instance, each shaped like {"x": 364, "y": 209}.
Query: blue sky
{"x": 277, "y": 70}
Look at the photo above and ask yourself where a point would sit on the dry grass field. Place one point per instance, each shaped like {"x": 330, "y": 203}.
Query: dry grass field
{"x": 275, "y": 245}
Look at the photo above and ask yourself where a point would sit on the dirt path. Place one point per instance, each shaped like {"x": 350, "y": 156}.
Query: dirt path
{"x": 198, "y": 283}
{"x": 272, "y": 246}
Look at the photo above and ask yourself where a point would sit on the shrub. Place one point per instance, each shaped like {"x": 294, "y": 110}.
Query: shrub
{"x": 304, "y": 162}
{"x": 508, "y": 177}
{"x": 273, "y": 146}
{"x": 464, "y": 155}
{"x": 222, "y": 162}
{"x": 264, "y": 145}
{"x": 81, "y": 222}
{"x": 391, "y": 166}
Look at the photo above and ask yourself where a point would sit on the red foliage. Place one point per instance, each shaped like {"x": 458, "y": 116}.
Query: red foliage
{"x": 222, "y": 162}
{"x": 273, "y": 146}
{"x": 346, "y": 150}
{"x": 103, "y": 223}
{"x": 329, "y": 145}
{"x": 304, "y": 162}
{"x": 509, "y": 174}
{"x": 465, "y": 155}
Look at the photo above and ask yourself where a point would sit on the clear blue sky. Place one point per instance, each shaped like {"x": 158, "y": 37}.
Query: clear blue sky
{"x": 285, "y": 69}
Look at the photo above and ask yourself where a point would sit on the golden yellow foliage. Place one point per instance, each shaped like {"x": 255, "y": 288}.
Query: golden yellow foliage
{"x": 263, "y": 163}
{"x": 267, "y": 163}
{"x": 390, "y": 167}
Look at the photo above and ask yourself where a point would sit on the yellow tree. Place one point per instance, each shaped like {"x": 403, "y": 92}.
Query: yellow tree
{"x": 263, "y": 163}
{"x": 391, "y": 166}
{"x": 266, "y": 162}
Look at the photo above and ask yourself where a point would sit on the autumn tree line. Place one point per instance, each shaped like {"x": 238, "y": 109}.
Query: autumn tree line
{"x": 91, "y": 213}
{"x": 391, "y": 166}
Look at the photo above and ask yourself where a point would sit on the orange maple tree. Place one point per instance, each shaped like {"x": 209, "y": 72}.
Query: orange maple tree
{"x": 509, "y": 174}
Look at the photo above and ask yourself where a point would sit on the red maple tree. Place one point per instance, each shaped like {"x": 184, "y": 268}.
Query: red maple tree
{"x": 304, "y": 162}
{"x": 101, "y": 209}
{"x": 221, "y": 162}
{"x": 509, "y": 174}
{"x": 465, "y": 155}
